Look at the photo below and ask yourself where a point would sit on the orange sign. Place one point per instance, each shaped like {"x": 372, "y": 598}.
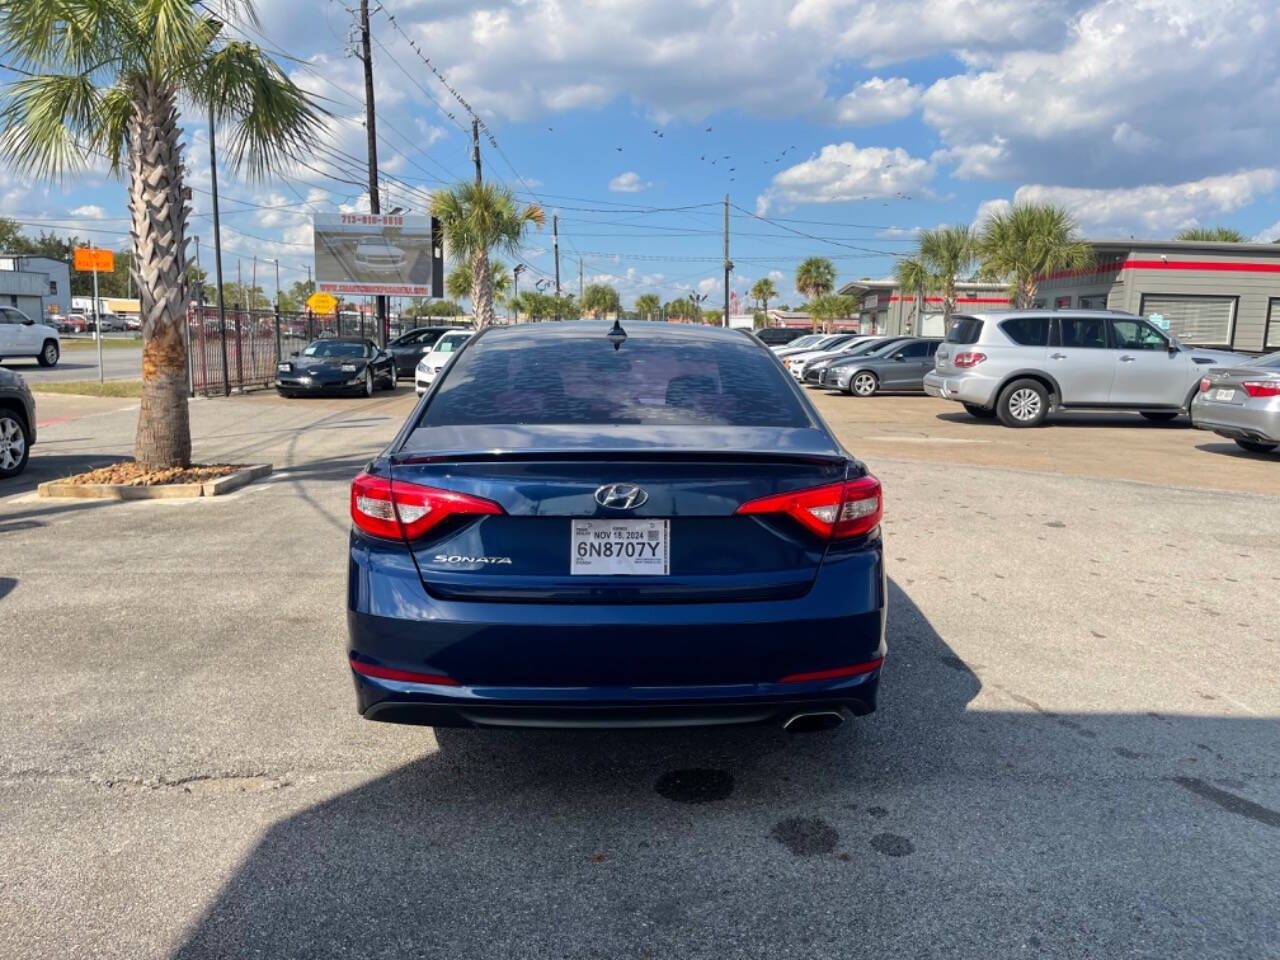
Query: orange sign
{"x": 89, "y": 258}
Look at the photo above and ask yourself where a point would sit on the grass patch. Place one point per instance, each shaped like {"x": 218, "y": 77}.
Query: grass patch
{"x": 110, "y": 343}
{"x": 90, "y": 388}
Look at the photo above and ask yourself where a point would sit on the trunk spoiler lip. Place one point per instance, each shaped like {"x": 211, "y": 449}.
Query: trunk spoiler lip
{"x": 617, "y": 455}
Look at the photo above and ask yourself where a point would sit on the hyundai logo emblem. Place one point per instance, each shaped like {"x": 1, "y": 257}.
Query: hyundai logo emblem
{"x": 621, "y": 496}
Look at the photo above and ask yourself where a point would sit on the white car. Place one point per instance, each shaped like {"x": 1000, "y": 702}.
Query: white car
{"x": 20, "y": 336}
{"x": 793, "y": 360}
{"x": 800, "y": 365}
{"x": 799, "y": 343}
{"x": 441, "y": 353}
{"x": 379, "y": 255}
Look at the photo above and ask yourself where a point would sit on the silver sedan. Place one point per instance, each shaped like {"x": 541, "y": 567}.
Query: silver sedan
{"x": 1242, "y": 402}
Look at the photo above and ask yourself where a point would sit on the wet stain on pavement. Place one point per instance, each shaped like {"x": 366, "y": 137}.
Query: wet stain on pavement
{"x": 1230, "y": 802}
{"x": 695, "y": 786}
{"x": 806, "y": 836}
{"x": 878, "y": 813}
{"x": 892, "y": 845}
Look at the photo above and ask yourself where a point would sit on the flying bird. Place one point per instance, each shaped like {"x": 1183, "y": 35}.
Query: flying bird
{"x": 551, "y": 130}
{"x": 708, "y": 129}
{"x": 619, "y": 149}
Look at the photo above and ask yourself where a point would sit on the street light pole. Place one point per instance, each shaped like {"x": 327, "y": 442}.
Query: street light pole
{"x": 515, "y": 289}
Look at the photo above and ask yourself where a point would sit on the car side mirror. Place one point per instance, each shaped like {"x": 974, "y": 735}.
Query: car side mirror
{"x": 1173, "y": 350}
{"x": 28, "y": 322}
{"x": 899, "y": 358}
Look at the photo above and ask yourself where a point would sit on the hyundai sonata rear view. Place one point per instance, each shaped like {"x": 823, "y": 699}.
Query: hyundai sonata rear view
{"x": 589, "y": 526}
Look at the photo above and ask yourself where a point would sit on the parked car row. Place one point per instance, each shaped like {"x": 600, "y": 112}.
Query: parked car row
{"x": 1021, "y": 366}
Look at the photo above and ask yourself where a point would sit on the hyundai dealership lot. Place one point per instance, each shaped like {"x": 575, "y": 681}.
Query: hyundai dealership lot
{"x": 1075, "y": 723}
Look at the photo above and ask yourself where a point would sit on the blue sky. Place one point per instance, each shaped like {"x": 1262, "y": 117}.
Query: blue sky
{"x": 837, "y": 127}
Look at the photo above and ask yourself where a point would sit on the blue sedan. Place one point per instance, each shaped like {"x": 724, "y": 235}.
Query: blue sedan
{"x": 585, "y": 526}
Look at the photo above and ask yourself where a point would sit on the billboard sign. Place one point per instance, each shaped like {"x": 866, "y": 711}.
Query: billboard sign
{"x": 372, "y": 254}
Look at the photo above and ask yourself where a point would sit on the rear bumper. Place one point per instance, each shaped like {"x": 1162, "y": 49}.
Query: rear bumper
{"x": 1255, "y": 420}
{"x": 963, "y": 388}
{"x": 623, "y": 665}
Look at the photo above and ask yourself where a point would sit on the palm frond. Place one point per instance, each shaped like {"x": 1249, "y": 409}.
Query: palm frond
{"x": 63, "y": 36}
{"x": 46, "y": 122}
{"x": 274, "y": 120}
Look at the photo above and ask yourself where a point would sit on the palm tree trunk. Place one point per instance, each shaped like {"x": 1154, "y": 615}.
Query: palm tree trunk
{"x": 1027, "y": 292}
{"x": 482, "y": 289}
{"x": 159, "y": 246}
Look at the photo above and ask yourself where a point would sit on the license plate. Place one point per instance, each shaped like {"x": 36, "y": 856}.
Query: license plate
{"x": 634, "y": 548}
{"x": 1225, "y": 395}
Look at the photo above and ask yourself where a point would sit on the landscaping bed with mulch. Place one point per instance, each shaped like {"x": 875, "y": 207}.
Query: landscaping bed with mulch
{"x": 128, "y": 480}
{"x": 134, "y": 475}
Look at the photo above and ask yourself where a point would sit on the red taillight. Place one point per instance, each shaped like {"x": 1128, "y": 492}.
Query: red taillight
{"x": 834, "y": 511}
{"x": 406, "y": 511}
{"x": 851, "y": 671}
{"x": 1204, "y": 384}
{"x": 968, "y": 359}
{"x": 404, "y": 676}
{"x": 1262, "y": 388}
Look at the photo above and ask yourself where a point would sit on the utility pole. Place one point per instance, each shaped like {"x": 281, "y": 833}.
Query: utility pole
{"x": 728, "y": 264}
{"x": 475, "y": 146}
{"x": 555, "y": 240}
{"x": 371, "y": 135}
{"x": 579, "y": 279}
{"x": 217, "y": 257}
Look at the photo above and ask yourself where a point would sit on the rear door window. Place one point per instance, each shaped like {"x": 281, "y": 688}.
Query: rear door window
{"x": 964, "y": 330}
{"x": 1027, "y": 331}
{"x": 1088, "y": 332}
{"x": 914, "y": 351}
{"x": 658, "y": 381}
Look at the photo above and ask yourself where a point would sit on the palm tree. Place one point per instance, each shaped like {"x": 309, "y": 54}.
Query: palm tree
{"x": 947, "y": 254}
{"x": 648, "y": 305}
{"x": 600, "y": 299}
{"x": 914, "y": 278}
{"x": 478, "y": 218}
{"x": 1027, "y": 242}
{"x": 1213, "y": 235}
{"x": 763, "y": 291}
{"x": 104, "y": 78}
{"x": 815, "y": 277}
{"x": 458, "y": 283}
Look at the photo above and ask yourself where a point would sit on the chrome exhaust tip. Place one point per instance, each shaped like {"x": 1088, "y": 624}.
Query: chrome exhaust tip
{"x": 813, "y": 722}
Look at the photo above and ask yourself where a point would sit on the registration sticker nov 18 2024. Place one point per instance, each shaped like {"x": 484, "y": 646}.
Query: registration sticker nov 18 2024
{"x": 620, "y": 548}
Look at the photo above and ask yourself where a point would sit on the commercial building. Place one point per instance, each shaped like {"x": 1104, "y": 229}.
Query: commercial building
{"x": 886, "y": 309}
{"x": 38, "y": 286}
{"x": 1208, "y": 294}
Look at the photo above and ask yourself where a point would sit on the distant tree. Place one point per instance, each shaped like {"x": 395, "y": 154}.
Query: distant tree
{"x": 479, "y": 218}
{"x": 831, "y": 307}
{"x": 763, "y": 291}
{"x": 648, "y": 306}
{"x": 815, "y": 277}
{"x": 682, "y": 308}
{"x": 458, "y": 283}
{"x": 1213, "y": 235}
{"x": 599, "y": 300}
{"x": 915, "y": 280}
{"x": 947, "y": 254}
{"x": 713, "y": 317}
{"x": 1025, "y": 243}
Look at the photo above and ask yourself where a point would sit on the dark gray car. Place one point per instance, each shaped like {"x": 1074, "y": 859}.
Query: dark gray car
{"x": 17, "y": 423}
{"x": 900, "y": 365}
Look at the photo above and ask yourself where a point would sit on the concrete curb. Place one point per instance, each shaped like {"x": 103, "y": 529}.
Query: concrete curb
{"x": 168, "y": 491}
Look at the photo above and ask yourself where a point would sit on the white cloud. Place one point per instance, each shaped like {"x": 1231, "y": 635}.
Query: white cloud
{"x": 845, "y": 172}
{"x": 898, "y": 233}
{"x": 1150, "y": 210}
{"x": 628, "y": 182}
{"x": 989, "y": 207}
{"x": 1270, "y": 235}
{"x": 878, "y": 101}
{"x": 90, "y": 211}
{"x": 1178, "y": 83}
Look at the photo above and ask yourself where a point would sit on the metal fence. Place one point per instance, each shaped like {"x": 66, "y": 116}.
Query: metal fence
{"x": 241, "y": 352}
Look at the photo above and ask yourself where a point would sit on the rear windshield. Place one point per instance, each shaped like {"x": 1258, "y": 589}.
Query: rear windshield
{"x": 1270, "y": 361}
{"x": 964, "y": 330}
{"x": 585, "y": 381}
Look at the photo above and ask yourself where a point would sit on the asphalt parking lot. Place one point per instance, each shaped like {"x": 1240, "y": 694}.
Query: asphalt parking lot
{"x": 79, "y": 361}
{"x": 1077, "y": 752}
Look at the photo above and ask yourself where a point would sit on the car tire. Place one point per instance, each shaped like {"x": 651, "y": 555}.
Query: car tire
{"x": 1253, "y": 446}
{"x": 1160, "y": 416}
{"x": 982, "y": 413}
{"x": 49, "y": 354}
{"x": 1023, "y": 403}
{"x": 368, "y": 382}
{"x": 15, "y": 444}
{"x": 864, "y": 383}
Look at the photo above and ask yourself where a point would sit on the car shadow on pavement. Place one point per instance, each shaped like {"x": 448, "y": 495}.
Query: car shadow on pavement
{"x": 927, "y": 820}
{"x": 55, "y": 466}
{"x": 1229, "y": 449}
{"x": 1078, "y": 419}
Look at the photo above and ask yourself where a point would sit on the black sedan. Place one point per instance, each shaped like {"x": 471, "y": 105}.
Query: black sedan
{"x": 411, "y": 347}
{"x": 347, "y": 365}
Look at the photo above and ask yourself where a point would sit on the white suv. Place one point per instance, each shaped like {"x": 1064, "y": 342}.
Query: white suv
{"x": 20, "y": 336}
{"x": 1023, "y": 364}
